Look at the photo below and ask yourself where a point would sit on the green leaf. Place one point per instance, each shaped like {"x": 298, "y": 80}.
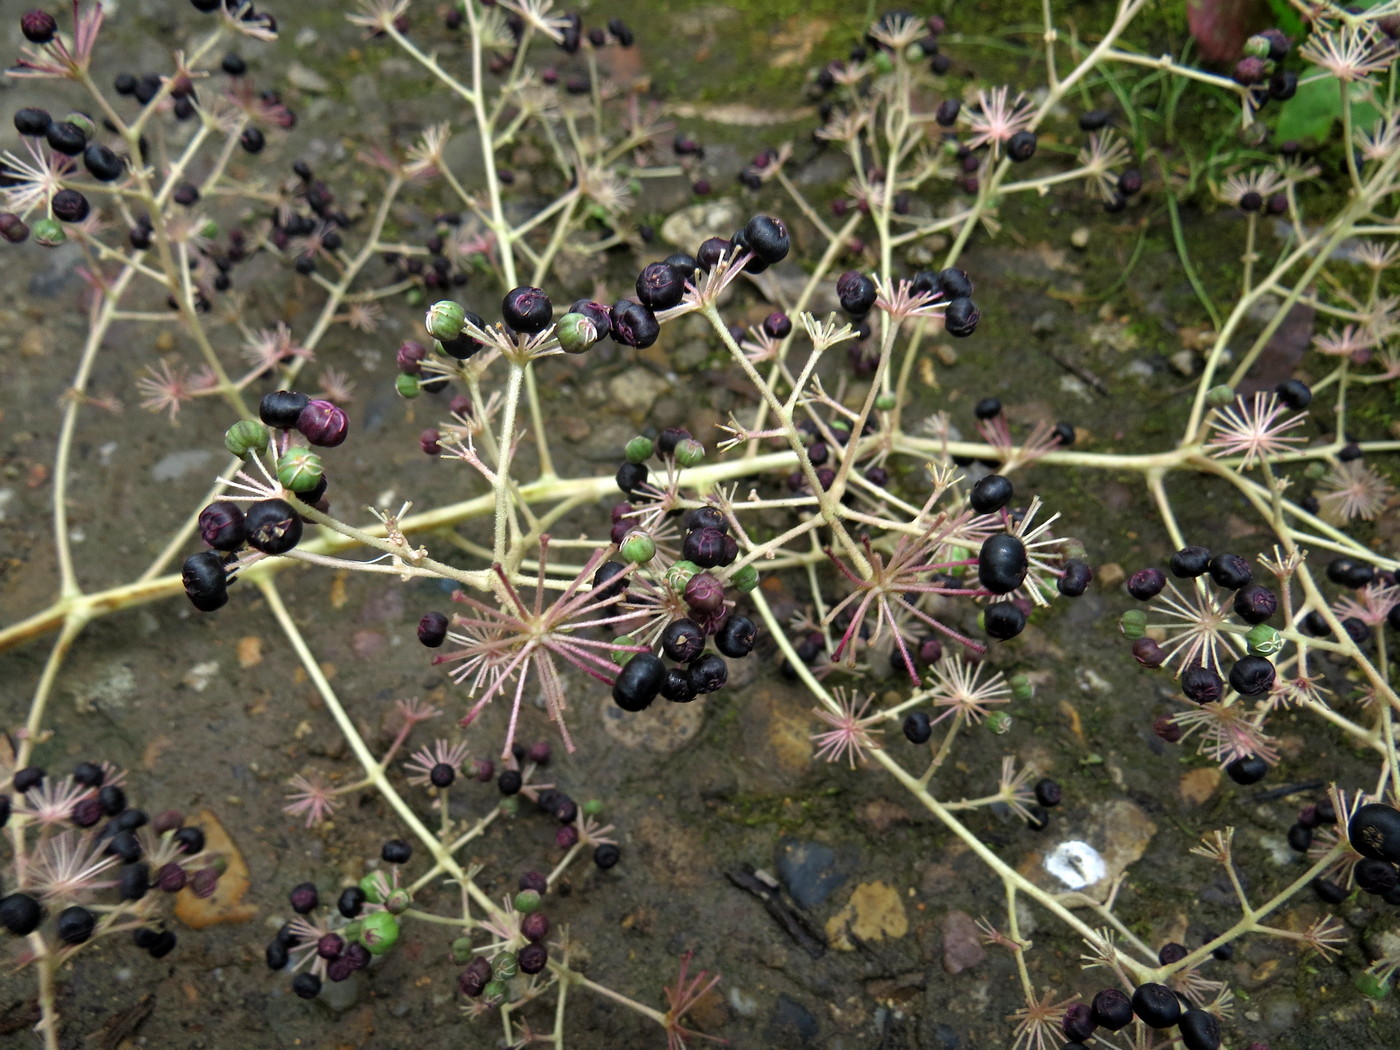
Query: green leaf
{"x": 1311, "y": 113}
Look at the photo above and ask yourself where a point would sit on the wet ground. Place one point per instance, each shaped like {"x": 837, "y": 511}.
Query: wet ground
{"x": 212, "y": 714}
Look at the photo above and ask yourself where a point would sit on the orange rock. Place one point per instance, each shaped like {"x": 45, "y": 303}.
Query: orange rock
{"x": 225, "y": 905}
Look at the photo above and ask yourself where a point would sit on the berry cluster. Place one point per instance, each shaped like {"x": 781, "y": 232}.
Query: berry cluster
{"x": 99, "y": 862}
{"x": 1157, "y": 1006}
{"x": 270, "y": 525}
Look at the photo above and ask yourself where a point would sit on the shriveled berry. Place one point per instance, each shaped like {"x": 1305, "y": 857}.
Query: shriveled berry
{"x": 638, "y": 682}
{"x": 527, "y": 309}
{"x": 991, "y": 493}
{"x": 432, "y": 629}
{"x": 1002, "y": 563}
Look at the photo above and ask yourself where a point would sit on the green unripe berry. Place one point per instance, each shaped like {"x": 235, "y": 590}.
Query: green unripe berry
{"x": 593, "y": 807}
{"x": 462, "y": 951}
{"x": 1257, "y": 47}
{"x": 1263, "y": 640}
{"x": 885, "y": 402}
{"x": 398, "y": 902}
{"x": 445, "y": 319}
{"x": 505, "y": 966}
{"x": 1372, "y": 986}
{"x": 527, "y": 901}
{"x": 407, "y": 386}
{"x": 745, "y": 577}
{"x": 83, "y": 123}
{"x": 379, "y": 932}
{"x": 1220, "y": 396}
{"x": 1133, "y": 624}
{"x": 48, "y": 232}
{"x": 680, "y": 573}
{"x": 576, "y": 333}
{"x": 689, "y": 453}
{"x": 882, "y": 62}
{"x": 510, "y": 806}
{"x": 639, "y": 449}
{"x": 999, "y": 722}
{"x": 210, "y": 230}
{"x": 299, "y": 469}
{"x": 246, "y": 437}
{"x": 638, "y": 547}
{"x": 1021, "y": 688}
{"x": 620, "y": 656}
{"x": 374, "y": 887}
{"x": 494, "y": 993}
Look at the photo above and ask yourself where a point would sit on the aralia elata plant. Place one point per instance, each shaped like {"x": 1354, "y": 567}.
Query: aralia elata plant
{"x": 829, "y": 478}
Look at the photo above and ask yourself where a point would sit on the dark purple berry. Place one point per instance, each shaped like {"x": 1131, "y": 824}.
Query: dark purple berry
{"x": 306, "y": 985}
{"x": 1251, "y": 676}
{"x": 432, "y": 629}
{"x": 961, "y": 317}
{"x": 607, "y": 855}
{"x": 709, "y": 673}
{"x": 767, "y": 238}
{"x": 1112, "y": 1009}
{"x": 221, "y": 526}
{"x": 634, "y": 325}
{"x": 1002, "y": 563}
{"x": 1156, "y": 1005}
{"x": 282, "y": 408}
{"x": 1004, "y": 620}
{"x": 323, "y": 424}
{"x": 660, "y": 286}
{"x": 1294, "y": 393}
{"x": 991, "y": 493}
{"x": 1201, "y": 684}
{"x": 1230, "y": 571}
{"x": 1146, "y": 584}
{"x": 857, "y": 293}
{"x": 20, "y": 914}
{"x": 396, "y": 851}
{"x": 75, "y": 925}
{"x": 1048, "y": 793}
{"x": 1021, "y": 146}
{"x": 1374, "y": 832}
{"x": 736, "y": 638}
{"x": 304, "y": 898}
{"x": 70, "y": 206}
{"x": 350, "y": 902}
{"x": 1074, "y": 578}
{"x": 638, "y": 682}
{"x": 1247, "y": 770}
{"x": 527, "y": 310}
{"x": 677, "y": 686}
{"x": 1189, "y": 562}
{"x": 273, "y": 526}
{"x": 205, "y": 582}
{"x": 1199, "y": 1030}
{"x": 682, "y": 640}
{"x": 1255, "y": 603}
